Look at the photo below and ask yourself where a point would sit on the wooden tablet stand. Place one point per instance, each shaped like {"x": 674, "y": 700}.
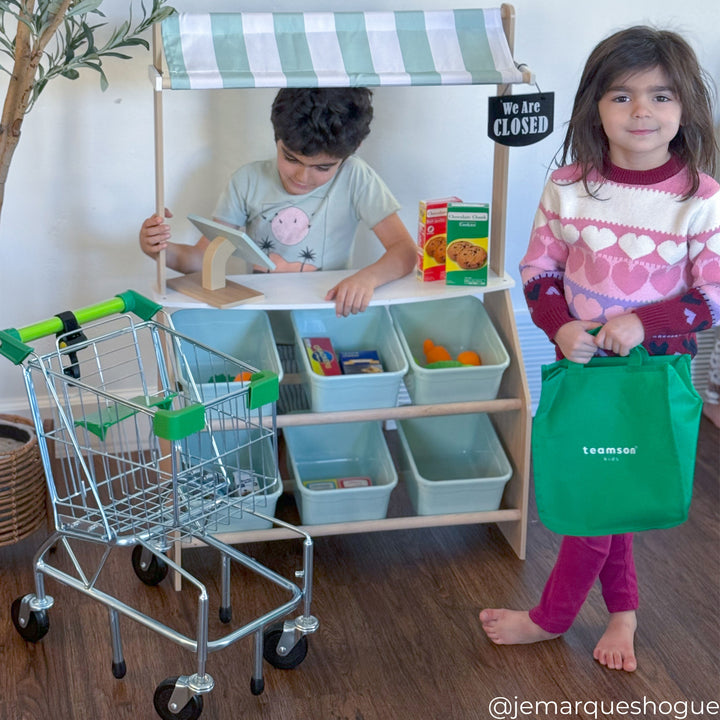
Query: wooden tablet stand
{"x": 210, "y": 285}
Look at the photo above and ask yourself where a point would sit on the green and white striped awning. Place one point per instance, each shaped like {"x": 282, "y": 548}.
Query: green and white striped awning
{"x": 337, "y": 49}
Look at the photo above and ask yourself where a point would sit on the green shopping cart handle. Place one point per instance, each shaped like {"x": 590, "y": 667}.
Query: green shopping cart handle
{"x": 13, "y": 343}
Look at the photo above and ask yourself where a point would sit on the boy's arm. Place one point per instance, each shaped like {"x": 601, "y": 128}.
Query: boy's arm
{"x": 353, "y": 294}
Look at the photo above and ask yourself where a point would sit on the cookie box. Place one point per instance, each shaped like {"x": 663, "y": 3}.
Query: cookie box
{"x": 236, "y": 471}
{"x": 431, "y": 238}
{"x": 452, "y": 464}
{"x": 344, "y": 450}
{"x": 459, "y": 323}
{"x": 370, "y": 329}
{"x": 466, "y": 255}
{"x": 242, "y": 334}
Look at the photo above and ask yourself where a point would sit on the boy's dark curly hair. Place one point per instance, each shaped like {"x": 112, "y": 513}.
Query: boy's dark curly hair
{"x": 331, "y": 121}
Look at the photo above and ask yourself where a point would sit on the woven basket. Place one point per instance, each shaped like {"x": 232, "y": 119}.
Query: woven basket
{"x": 23, "y": 491}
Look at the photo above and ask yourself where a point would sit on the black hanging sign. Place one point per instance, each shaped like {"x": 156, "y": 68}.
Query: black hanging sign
{"x": 520, "y": 119}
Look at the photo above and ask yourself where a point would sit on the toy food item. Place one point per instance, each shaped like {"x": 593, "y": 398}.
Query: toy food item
{"x": 437, "y": 356}
{"x": 469, "y": 357}
{"x": 244, "y": 376}
{"x": 431, "y": 238}
{"x": 435, "y": 353}
{"x": 467, "y": 243}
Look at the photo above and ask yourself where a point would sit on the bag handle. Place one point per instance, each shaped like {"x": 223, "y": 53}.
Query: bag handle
{"x": 635, "y": 358}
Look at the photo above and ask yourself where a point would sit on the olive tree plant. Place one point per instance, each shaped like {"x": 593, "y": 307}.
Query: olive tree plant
{"x": 41, "y": 40}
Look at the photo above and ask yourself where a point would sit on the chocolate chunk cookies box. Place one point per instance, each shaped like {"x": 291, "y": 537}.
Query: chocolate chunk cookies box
{"x": 432, "y": 221}
{"x": 466, "y": 254}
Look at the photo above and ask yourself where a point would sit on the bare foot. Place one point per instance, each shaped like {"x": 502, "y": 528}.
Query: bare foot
{"x": 512, "y": 627}
{"x": 615, "y": 648}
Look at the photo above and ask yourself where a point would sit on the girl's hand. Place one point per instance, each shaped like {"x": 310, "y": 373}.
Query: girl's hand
{"x": 621, "y": 334}
{"x": 352, "y": 295}
{"x": 155, "y": 234}
{"x": 575, "y": 342}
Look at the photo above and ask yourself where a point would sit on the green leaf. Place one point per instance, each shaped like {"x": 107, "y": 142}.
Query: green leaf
{"x": 84, "y": 7}
{"x": 70, "y": 74}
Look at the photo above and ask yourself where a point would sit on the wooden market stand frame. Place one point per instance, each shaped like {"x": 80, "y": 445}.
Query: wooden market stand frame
{"x": 511, "y": 411}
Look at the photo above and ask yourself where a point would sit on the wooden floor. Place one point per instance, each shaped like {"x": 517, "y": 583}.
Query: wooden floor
{"x": 399, "y": 636}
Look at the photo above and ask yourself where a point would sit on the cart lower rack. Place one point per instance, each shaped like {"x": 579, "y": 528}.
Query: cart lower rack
{"x": 153, "y": 439}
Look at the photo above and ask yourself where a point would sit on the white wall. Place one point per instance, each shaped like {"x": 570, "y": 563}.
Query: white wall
{"x": 82, "y": 179}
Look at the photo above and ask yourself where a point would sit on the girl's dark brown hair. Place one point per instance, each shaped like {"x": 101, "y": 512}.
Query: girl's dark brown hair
{"x": 634, "y": 50}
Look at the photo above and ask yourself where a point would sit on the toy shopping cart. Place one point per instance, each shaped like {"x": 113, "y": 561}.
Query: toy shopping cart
{"x": 149, "y": 439}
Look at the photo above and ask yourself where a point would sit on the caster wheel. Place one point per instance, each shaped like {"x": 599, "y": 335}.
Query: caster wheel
{"x": 164, "y": 692}
{"x": 119, "y": 669}
{"x": 271, "y": 638}
{"x": 37, "y": 625}
{"x": 225, "y": 615}
{"x": 257, "y": 686}
{"x": 151, "y": 574}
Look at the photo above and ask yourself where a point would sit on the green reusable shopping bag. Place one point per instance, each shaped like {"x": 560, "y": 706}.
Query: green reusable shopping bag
{"x": 614, "y": 442}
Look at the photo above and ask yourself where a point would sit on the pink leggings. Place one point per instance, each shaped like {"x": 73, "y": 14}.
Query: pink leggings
{"x": 580, "y": 562}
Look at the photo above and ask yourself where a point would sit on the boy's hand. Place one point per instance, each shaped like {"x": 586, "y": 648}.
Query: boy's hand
{"x": 352, "y": 295}
{"x": 575, "y": 342}
{"x": 155, "y": 234}
{"x": 621, "y": 334}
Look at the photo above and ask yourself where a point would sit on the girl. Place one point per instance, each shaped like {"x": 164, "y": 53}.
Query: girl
{"x": 626, "y": 238}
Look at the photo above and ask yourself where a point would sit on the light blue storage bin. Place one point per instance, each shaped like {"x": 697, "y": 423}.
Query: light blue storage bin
{"x": 452, "y": 464}
{"x": 245, "y": 335}
{"x": 459, "y": 323}
{"x": 321, "y": 452}
{"x": 370, "y": 330}
{"x": 223, "y": 463}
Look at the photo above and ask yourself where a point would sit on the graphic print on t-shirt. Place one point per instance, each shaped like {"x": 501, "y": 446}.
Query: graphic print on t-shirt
{"x": 288, "y": 228}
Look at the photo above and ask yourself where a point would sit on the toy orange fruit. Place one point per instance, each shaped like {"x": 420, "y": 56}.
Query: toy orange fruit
{"x": 437, "y": 353}
{"x": 244, "y": 376}
{"x": 469, "y": 357}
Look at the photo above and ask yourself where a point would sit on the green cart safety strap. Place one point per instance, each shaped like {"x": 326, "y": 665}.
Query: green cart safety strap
{"x": 13, "y": 343}
{"x": 264, "y": 388}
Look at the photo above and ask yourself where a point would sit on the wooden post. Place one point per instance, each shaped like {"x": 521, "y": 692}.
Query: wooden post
{"x": 498, "y": 217}
{"x": 159, "y": 164}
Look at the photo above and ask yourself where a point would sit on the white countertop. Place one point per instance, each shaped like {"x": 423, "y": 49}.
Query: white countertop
{"x": 308, "y": 290}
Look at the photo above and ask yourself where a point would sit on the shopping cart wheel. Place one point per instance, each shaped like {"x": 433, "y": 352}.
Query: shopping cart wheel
{"x": 37, "y": 624}
{"x": 152, "y": 572}
{"x": 271, "y": 637}
{"x": 161, "y": 700}
{"x": 257, "y": 686}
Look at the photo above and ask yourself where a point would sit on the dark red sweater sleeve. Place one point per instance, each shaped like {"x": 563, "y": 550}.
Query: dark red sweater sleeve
{"x": 545, "y": 297}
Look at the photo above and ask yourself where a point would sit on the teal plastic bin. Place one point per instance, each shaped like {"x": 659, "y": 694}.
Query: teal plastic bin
{"x": 342, "y": 450}
{"x": 459, "y": 323}
{"x": 452, "y": 464}
{"x": 370, "y": 330}
{"x": 237, "y": 472}
{"x": 245, "y": 335}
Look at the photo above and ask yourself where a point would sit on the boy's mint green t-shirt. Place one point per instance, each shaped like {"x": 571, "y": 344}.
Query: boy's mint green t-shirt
{"x": 305, "y": 232}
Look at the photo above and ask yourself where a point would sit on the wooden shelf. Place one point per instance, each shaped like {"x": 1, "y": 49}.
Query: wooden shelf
{"x": 408, "y": 522}
{"x": 511, "y": 410}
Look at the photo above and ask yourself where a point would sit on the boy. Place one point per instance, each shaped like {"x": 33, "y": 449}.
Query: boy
{"x": 303, "y": 207}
